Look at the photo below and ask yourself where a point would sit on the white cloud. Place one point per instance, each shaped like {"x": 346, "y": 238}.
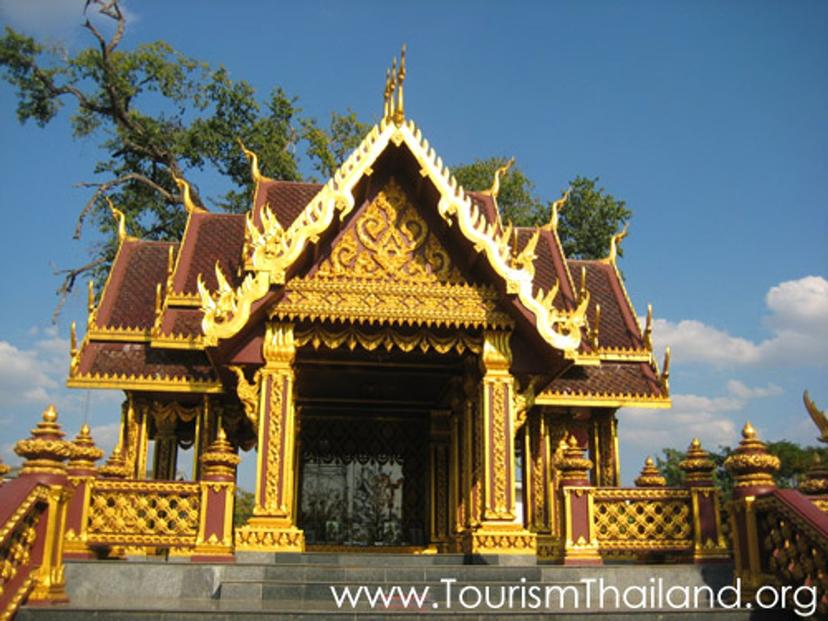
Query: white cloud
{"x": 740, "y": 390}
{"x": 797, "y": 320}
{"x": 711, "y": 419}
{"x": 27, "y": 376}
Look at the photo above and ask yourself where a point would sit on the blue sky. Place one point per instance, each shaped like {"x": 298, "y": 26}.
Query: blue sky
{"x": 708, "y": 118}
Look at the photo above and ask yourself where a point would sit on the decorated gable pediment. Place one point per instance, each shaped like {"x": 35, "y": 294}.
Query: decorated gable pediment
{"x": 388, "y": 266}
{"x": 390, "y": 241}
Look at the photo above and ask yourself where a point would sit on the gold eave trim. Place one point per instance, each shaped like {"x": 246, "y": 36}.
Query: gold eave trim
{"x": 177, "y": 342}
{"x": 604, "y": 400}
{"x": 190, "y": 300}
{"x": 143, "y": 383}
{"x": 121, "y": 335}
{"x": 625, "y": 355}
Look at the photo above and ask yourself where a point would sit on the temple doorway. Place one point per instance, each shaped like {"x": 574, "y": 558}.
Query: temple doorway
{"x": 365, "y": 454}
{"x": 363, "y": 479}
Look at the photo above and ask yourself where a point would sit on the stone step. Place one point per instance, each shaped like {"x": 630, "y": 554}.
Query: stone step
{"x": 323, "y": 592}
{"x": 371, "y": 573}
{"x": 181, "y": 610}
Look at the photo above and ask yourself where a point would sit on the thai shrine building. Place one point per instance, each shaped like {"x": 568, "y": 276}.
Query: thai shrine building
{"x": 397, "y": 357}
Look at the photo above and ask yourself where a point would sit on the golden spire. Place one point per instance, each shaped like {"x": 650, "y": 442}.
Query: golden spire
{"x": 555, "y": 209}
{"x": 73, "y": 339}
{"x": 615, "y": 243}
{"x": 596, "y": 326}
{"x": 399, "y": 113}
{"x": 582, "y": 291}
{"x": 255, "y": 173}
{"x": 189, "y": 205}
{"x": 665, "y": 372}
{"x": 157, "y": 299}
{"x": 394, "y": 102}
{"x": 648, "y": 329}
{"x": 120, "y": 218}
{"x": 170, "y": 269}
{"x": 90, "y": 304}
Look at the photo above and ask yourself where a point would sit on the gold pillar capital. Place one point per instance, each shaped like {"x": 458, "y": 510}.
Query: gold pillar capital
{"x": 279, "y": 347}
{"x": 497, "y": 352}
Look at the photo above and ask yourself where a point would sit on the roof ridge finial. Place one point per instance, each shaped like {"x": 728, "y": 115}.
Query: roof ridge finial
{"x": 555, "y": 209}
{"x": 189, "y": 204}
{"x": 817, "y": 415}
{"x": 394, "y": 101}
{"x": 501, "y": 171}
{"x": 255, "y": 172}
{"x": 615, "y": 244}
{"x": 120, "y": 219}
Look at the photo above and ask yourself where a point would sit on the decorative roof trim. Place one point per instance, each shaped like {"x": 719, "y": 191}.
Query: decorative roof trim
{"x": 143, "y": 383}
{"x": 177, "y": 341}
{"x": 274, "y": 249}
{"x": 614, "y": 400}
{"x": 119, "y": 334}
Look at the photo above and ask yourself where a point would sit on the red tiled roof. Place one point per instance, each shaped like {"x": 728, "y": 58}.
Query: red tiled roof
{"x": 486, "y": 205}
{"x": 550, "y": 266}
{"x": 287, "y": 199}
{"x": 182, "y": 322}
{"x": 112, "y": 359}
{"x": 616, "y": 378}
{"x": 129, "y": 297}
{"x": 209, "y": 237}
{"x": 619, "y": 327}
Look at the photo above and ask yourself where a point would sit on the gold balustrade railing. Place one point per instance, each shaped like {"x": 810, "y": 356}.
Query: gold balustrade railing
{"x": 143, "y": 513}
{"x": 642, "y": 520}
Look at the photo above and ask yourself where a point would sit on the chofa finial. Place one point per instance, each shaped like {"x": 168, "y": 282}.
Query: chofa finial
{"x": 120, "y": 219}
{"x": 615, "y": 244}
{"x": 187, "y": 198}
{"x": 555, "y": 209}
{"x": 255, "y": 172}
{"x": 500, "y": 172}
{"x": 817, "y": 415}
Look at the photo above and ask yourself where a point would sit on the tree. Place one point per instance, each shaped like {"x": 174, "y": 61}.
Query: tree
{"x": 202, "y": 114}
{"x": 329, "y": 148}
{"x": 516, "y": 199}
{"x": 588, "y": 219}
{"x": 243, "y": 508}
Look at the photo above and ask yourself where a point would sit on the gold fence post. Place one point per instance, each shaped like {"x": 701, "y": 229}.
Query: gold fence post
{"x": 218, "y": 485}
{"x": 752, "y": 468}
{"x": 580, "y": 544}
{"x": 81, "y": 473}
{"x": 709, "y": 544}
{"x": 45, "y": 453}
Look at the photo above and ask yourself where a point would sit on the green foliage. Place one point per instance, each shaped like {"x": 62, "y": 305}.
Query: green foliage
{"x": 795, "y": 462}
{"x": 155, "y": 113}
{"x": 329, "y": 148}
{"x": 587, "y": 221}
{"x": 516, "y": 200}
{"x": 243, "y": 509}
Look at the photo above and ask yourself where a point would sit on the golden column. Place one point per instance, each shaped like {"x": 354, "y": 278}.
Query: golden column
{"x": 439, "y": 479}
{"x": 499, "y": 533}
{"x": 273, "y": 525}
{"x": 538, "y": 492}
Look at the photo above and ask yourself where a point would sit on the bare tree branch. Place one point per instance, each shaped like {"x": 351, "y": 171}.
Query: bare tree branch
{"x": 69, "y": 278}
{"x": 104, "y": 187}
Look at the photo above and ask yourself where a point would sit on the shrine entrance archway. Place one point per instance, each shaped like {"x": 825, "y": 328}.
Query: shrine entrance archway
{"x": 373, "y": 450}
